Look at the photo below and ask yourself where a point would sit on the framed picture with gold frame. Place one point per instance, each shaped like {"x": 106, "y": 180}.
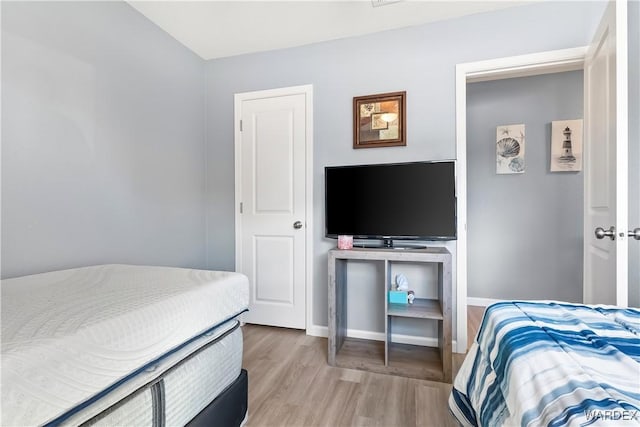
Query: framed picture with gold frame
{"x": 379, "y": 120}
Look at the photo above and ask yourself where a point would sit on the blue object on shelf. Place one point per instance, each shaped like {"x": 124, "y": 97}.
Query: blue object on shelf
{"x": 398, "y": 297}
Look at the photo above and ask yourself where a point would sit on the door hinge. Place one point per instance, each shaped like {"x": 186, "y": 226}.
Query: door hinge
{"x": 240, "y": 207}
{"x": 240, "y": 125}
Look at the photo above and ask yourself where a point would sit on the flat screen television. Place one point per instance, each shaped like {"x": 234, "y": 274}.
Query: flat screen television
{"x": 400, "y": 201}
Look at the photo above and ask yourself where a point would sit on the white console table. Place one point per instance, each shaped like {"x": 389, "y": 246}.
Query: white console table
{"x": 392, "y": 358}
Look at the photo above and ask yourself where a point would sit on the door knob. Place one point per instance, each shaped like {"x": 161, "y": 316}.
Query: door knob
{"x": 601, "y": 233}
{"x": 635, "y": 233}
{"x": 297, "y": 225}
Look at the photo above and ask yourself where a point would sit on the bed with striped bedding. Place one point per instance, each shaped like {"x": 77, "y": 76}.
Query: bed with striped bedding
{"x": 551, "y": 364}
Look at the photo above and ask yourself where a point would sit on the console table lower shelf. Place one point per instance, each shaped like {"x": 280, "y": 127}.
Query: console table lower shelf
{"x": 406, "y": 360}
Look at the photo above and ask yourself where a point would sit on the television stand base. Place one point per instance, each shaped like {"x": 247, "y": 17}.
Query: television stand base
{"x": 407, "y": 247}
{"x": 388, "y": 244}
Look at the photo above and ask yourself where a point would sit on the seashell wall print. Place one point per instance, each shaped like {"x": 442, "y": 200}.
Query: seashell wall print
{"x": 510, "y": 149}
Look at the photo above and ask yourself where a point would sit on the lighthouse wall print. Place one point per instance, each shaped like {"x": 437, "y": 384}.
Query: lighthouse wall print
{"x": 510, "y": 149}
{"x": 566, "y": 146}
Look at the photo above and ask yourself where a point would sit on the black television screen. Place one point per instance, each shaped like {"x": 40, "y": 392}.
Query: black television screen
{"x": 391, "y": 201}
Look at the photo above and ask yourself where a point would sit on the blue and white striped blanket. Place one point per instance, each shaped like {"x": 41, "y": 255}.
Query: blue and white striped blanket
{"x": 551, "y": 364}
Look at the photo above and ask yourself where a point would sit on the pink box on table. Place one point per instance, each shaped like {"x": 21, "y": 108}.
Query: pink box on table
{"x": 345, "y": 242}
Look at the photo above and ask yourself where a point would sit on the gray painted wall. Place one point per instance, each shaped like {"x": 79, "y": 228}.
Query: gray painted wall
{"x": 102, "y": 140}
{"x": 524, "y": 230}
{"x": 634, "y": 150}
{"x": 102, "y": 130}
{"x": 420, "y": 60}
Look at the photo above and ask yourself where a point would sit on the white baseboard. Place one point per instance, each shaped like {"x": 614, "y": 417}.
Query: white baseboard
{"x": 482, "y": 302}
{"x": 318, "y": 331}
{"x": 323, "y": 331}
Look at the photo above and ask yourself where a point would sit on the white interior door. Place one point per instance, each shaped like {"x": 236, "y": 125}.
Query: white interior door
{"x": 606, "y": 171}
{"x": 272, "y": 205}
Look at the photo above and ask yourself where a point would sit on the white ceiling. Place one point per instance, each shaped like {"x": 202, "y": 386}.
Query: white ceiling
{"x": 215, "y": 29}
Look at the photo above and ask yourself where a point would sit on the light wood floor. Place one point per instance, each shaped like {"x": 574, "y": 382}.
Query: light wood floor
{"x": 291, "y": 384}
{"x": 474, "y": 318}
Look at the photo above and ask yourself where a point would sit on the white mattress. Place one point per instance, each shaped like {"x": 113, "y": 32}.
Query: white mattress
{"x": 187, "y": 388}
{"x": 69, "y": 335}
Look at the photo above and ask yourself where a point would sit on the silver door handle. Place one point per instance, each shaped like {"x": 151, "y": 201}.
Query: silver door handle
{"x": 635, "y": 233}
{"x": 297, "y": 225}
{"x": 601, "y": 233}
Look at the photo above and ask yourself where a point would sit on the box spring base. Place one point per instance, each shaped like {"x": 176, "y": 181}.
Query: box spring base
{"x": 228, "y": 409}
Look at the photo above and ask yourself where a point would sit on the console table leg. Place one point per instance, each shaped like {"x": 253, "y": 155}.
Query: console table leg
{"x": 337, "y": 307}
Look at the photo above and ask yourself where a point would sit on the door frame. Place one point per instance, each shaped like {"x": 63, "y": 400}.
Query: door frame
{"x": 239, "y": 98}
{"x": 494, "y": 69}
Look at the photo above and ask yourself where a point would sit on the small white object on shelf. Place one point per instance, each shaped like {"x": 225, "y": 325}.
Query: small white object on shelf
{"x": 402, "y": 283}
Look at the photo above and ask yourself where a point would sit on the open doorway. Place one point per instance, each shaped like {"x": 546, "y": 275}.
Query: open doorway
{"x": 606, "y": 162}
{"x": 524, "y": 223}
{"x": 496, "y": 69}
